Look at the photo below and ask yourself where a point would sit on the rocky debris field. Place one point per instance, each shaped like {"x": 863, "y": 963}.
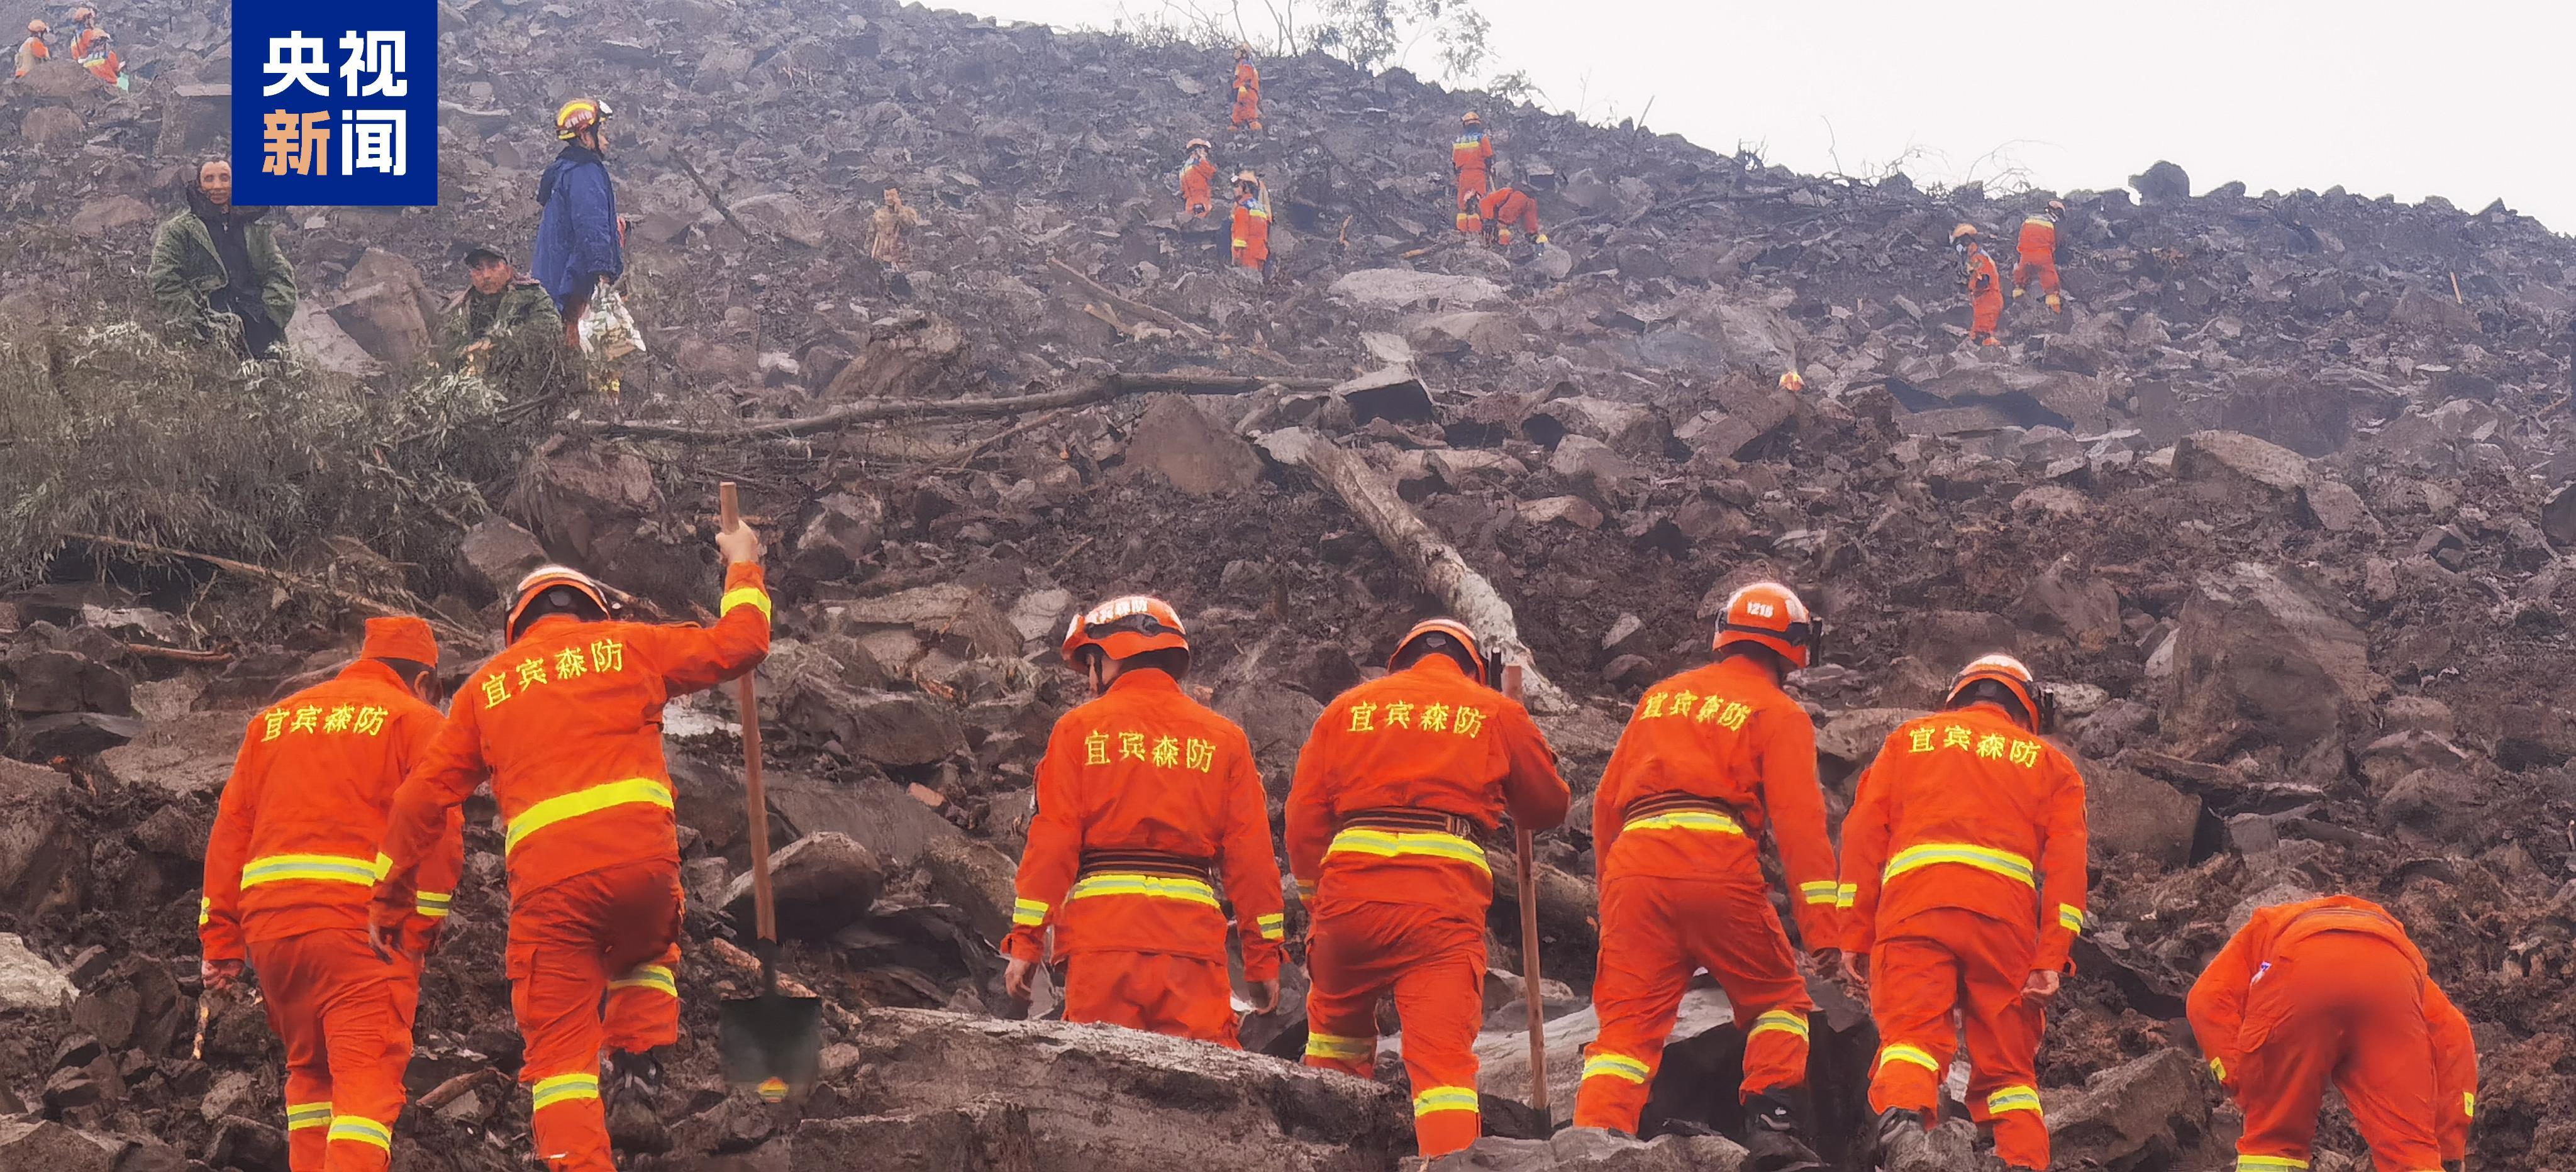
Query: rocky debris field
{"x": 2277, "y": 503}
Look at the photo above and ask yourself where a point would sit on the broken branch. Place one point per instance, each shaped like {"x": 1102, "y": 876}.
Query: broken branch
{"x": 1100, "y": 390}
{"x": 294, "y": 582}
{"x": 1132, "y": 306}
{"x": 708, "y": 190}
{"x": 1370, "y": 495}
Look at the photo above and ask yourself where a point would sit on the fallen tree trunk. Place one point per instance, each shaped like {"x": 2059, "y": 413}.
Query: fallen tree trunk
{"x": 1370, "y": 495}
{"x": 873, "y": 410}
{"x": 1132, "y": 306}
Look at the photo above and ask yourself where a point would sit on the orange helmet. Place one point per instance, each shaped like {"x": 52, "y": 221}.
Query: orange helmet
{"x": 38, "y": 27}
{"x": 1123, "y": 628}
{"x": 1441, "y": 636}
{"x": 1199, "y": 144}
{"x": 1791, "y": 382}
{"x": 1770, "y": 615}
{"x": 2057, "y": 205}
{"x": 84, "y": 14}
{"x": 2038, "y": 707}
{"x": 1963, "y": 232}
{"x": 580, "y": 114}
{"x": 1471, "y": 118}
{"x": 547, "y": 578}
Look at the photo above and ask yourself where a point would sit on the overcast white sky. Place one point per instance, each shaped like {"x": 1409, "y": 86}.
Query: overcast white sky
{"x": 2469, "y": 100}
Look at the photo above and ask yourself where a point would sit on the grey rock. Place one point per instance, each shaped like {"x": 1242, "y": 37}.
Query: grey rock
{"x": 2241, "y": 469}
{"x": 2144, "y": 1113}
{"x": 1399, "y": 288}
{"x": 500, "y": 553}
{"x": 2253, "y": 653}
{"x": 34, "y": 1144}
{"x": 27, "y": 982}
{"x": 1178, "y": 440}
{"x": 982, "y": 1135}
{"x": 2162, "y": 183}
{"x": 1099, "y": 1097}
{"x": 1591, "y": 1149}
{"x": 821, "y": 883}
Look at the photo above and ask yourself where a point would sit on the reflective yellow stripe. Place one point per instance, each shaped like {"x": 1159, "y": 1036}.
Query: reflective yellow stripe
{"x": 1305, "y": 890}
{"x": 1444, "y": 1099}
{"x": 2070, "y": 917}
{"x": 1846, "y": 895}
{"x": 303, "y": 1115}
{"x": 579, "y": 802}
{"x": 2469, "y": 1104}
{"x": 1616, "y": 1066}
{"x": 648, "y": 976}
{"x": 1821, "y": 891}
{"x": 2009, "y": 1099}
{"x": 1901, "y": 1052}
{"x": 1028, "y": 913}
{"x": 1273, "y": 927}
{"x": 433, "y": 904}
{"x": 2004, "y": 863}
{"x": 1781, "y": 1020}
{"x": 752, "y": 596}
{"x": 1150, "y": 886}
{"x": 2268, "y": 1164}
{"x": 1334, "y": 1046}
{"x": 1388, "y": 844}
{"x": 2218, "y": 1070}
{"x": 315, "y": 868}
{"x": 1704, "y": 821}
{"x": 205, "y": 910}
{"x": 563, "y": 1088}
{"x": 352, "y": 1129}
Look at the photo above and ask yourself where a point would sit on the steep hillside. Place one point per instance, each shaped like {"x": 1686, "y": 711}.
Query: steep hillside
{"x": 2277, "y": 504}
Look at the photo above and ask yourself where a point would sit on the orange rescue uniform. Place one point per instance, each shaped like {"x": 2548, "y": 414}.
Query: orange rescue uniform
{"x": 1398, "y": 773}
{"x": 2038, "y": 255}
{"x": 1146, "y": 801}
{"x": 1985, "y": 295}
{"x": 2332, "y": 989}
{"x": 1247, "y": 96}
{"x": 1195, "y": 179}
{"x": 288, "y": 872}
{"x": 1963, "y": 868}
{"x": 1252, "y": 233}
{"x": 1709, "y": 759}
{"x": 567, "y": 723}
{"x": 1511, "y": 208}
{"x": 31, "y": 51}
{"x": 1469, "y": 158}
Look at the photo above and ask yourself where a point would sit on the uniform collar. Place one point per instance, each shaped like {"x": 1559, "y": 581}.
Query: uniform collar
{"x": 1152, "y": 679}
{"x": 1746, "y": 667}
{"x": 548, "y": 623}
{"x": 373, "y": 671}
{"x": 1997, "y": 711}
{"x": 1439, "y": 665}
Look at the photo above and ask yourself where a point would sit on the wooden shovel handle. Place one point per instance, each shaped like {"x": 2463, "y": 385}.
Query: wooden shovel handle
{"x": 764, "y": 909}
{"x": 1526, "y": 871}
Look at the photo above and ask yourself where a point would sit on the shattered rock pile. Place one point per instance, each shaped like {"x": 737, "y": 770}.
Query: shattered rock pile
{"x": 2275, "y": 502}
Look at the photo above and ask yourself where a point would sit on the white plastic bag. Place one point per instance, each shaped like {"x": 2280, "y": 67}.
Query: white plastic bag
{"x": 608, "y": 330}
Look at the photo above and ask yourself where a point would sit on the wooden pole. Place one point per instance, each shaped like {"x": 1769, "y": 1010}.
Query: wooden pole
{"x": 765, "y": 912}
{"x": 1527, "y": 864}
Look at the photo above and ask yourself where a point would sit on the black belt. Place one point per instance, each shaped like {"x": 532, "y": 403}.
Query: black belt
{"x": 1162, "y": 863}
{"x": 1667, "y": 803}
{"x": 1417, "y": 821}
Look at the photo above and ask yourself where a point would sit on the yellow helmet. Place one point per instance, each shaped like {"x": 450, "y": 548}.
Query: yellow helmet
{"x": 580, "y": 114}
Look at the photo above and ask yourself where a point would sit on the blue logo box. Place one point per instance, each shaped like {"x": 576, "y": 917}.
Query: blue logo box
{"x": 335, "y": 104}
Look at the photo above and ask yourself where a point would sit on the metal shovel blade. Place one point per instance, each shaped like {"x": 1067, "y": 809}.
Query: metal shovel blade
{"x": 773, "y": 1042}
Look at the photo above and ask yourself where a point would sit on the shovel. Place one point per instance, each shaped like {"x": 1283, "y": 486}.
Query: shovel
{"x": 772, "y": 1042}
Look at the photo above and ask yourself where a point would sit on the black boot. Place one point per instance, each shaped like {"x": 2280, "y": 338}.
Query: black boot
{"x": 1771, "y": 1135}
{"x": 1893, "y": 1124}
{"x": 631, "y": 1100}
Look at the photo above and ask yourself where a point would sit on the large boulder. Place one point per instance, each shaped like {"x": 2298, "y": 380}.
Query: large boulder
{"x": 2129, "y": 813}
{"x": 918, "y": 356}
{"x": 387, "y": 307}
{"x": 596, "y": 507}
{"x": 2254, "y": 658}
{"x": 42, "y": 859}
{"x": 889, "y": 728}
{"x": 500, "y": 553}
{"x": 1105, "y": 1099}
{"x": 1590, "y": 1149}
{"x": 820, "y": 883}
{"x": 27, "y": 982}
{"x": 2162, "y": 183}
{"x": 1398, "y": 288}
{"x": 2146, "y": 1113}
{"x": 2238, "y": 469}
{"x": 1178, "y": 440}
{"x": 985, "y": 1135}
{"x": 32, "y": 1144}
